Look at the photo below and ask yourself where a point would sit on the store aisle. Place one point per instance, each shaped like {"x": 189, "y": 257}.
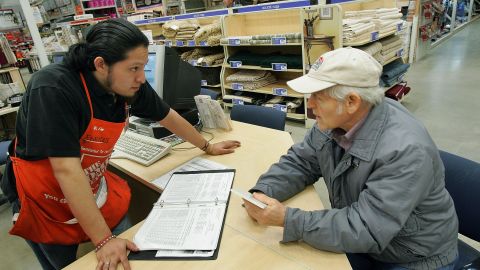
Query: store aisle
{"x": 445, "y": 91}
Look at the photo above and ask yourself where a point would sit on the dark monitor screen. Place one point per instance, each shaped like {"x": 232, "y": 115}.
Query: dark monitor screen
{"x": 181, "y": 81}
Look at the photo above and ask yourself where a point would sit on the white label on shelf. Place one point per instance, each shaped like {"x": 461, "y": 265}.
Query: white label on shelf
{"x": 191, "y": 43}
{"x": 233, "y": 41}
{"x": 375, "y": 35}
{"x": 180, "y": 43}
{"x": 203, "y": 43}
{"x": 82, "y": 17}
{"x": 399, "y": 27}
{"x": 279, "y": 40}
{"x": 235, "y": 64}
{"x": 279, "y": 66}
{"x": 204, "y": 82}
{"x": 237, "y": 86}
{"x": 278, "y": 91}
{"x": 400, "y": 53}
{"x": 236, "y": 101}
{"x": 168, "y": 43}
{"x": 193, "y": 62}
{"x": 280, "y": 107}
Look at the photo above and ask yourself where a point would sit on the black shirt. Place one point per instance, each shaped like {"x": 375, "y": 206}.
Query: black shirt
{"x": 55, "y": 112}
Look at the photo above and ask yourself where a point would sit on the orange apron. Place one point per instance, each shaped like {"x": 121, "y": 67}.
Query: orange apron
{"x": 45, "y": 216}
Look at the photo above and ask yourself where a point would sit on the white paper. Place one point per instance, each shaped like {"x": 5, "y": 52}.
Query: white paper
{"x": 208, "y": 187}
{"x": 184, "y": 253}
{"x": 181, "y": 228}
{"x": 196, "y": 164}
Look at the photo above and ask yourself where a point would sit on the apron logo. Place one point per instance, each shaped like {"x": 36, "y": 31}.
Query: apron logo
{"x": 98, "y": 128}
{"x": 96, "y": 170}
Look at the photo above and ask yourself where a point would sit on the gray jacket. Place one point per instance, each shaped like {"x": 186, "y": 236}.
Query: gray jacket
{"x": 387, "y": 192}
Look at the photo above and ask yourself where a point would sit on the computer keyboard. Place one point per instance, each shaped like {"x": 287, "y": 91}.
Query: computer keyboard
{"x": 140, "y": 148}
{"x": 173, "y": 140}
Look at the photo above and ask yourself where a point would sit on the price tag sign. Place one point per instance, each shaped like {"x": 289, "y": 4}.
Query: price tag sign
{"x": 399, "y": 27}
{"x": 203, "y": 43}
{"x": 279, "y": 91}
{"x": 400, "y": 53}
{"x": 191, "y": 43}
{"x": 235, "y": 64}
{"x": 237, "y": 86}
{"x": 168, "y": 43}
{"x": 193, "y": 62}
{"x": 180, "y": 43}
{"x": 375, "y": 35}
{"x": 234, "y": 41}
{"x": 279, "y": 66}
{"x": 279, "y": 40}
{"x": 280, "y": 107}
{"x": 204, "y": 82}
{"x": 236, "y": 101}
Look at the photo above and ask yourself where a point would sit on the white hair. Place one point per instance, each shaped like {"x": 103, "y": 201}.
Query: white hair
{"x": 371, "y": 95}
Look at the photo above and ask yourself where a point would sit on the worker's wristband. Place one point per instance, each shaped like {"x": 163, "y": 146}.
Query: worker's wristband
{"x": 205, "y": 147}
{"x": 104, "y": 242}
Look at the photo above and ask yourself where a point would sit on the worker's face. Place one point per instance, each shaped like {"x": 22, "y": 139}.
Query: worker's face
{"x": 125, "y": 77}
{"x": 329, "y": 112}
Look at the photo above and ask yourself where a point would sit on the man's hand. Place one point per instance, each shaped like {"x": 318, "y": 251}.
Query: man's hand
{"x": 113, "y": 253}
{"x": 273, "y": 215}
{"x": 221, "y": 148}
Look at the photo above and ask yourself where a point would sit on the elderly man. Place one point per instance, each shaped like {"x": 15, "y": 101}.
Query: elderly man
{"x": 385, "y": 179}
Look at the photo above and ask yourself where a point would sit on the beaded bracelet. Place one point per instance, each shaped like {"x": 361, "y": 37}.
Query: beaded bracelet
{"x": 104, "y": 241}
{"x": 204, "y": 148}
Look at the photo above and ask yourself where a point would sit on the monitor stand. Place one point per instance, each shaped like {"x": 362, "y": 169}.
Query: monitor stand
{"x": 154, "y": 129}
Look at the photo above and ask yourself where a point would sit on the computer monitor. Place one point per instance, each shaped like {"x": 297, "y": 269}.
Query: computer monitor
{"x": 57, "y": 58}
{"x": 176, "y": 82}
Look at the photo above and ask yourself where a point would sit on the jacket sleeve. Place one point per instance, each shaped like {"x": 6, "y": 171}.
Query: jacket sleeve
{"x": 393, "y": 189}
{"x": 295, "y": 170}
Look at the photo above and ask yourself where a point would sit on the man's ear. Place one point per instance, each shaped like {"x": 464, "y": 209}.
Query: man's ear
{"x": 353, "y": 102}
{"x": 100, "y": 65}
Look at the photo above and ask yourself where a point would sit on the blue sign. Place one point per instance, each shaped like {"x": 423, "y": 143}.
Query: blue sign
{"x": 279, "y": 40}
{"x": 204, "y": 82}
{"x": 193, "y": 62}
{"x": 375, "y": 35}
{"x": 180, "y": 43}
{"x": 270, "y": 6}
{"x": 202, "y": 14}
{"x": 233, "y": 41}
{"x": 203, "y": 43}
{"x": 280, "y": 91}
{"x": 237, "y": 101}
{"x": 280, "y": 107}
{"x": 279, "y": 66}
{"x": 237, "y": 86}
{"x": 154, "y": 20}
{"x": 399, "y": 27}
{"x": 235, "y": 64}
{"x": 191, "y": 43}
{"x": 168, "y": 43}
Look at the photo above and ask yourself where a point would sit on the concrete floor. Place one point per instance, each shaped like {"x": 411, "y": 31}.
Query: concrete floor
{"x": 444, "y": 93}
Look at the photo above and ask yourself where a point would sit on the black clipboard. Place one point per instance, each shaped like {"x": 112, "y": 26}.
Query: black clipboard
{"x": 149, "y": 255}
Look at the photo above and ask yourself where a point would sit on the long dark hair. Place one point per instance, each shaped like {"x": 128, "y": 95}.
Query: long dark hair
{"x": 111, "y": 40}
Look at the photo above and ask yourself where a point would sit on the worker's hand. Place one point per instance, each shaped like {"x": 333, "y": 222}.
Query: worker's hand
{"x": 115, "y": 252}
{"x": 272, "y": 215}
{"x": 221, "y": 148}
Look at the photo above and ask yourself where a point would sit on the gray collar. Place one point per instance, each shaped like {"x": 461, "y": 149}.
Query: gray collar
{"x": 367, "y": 137}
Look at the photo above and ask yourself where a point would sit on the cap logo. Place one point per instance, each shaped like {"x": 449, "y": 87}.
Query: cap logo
{"x": 317, "y": 64}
